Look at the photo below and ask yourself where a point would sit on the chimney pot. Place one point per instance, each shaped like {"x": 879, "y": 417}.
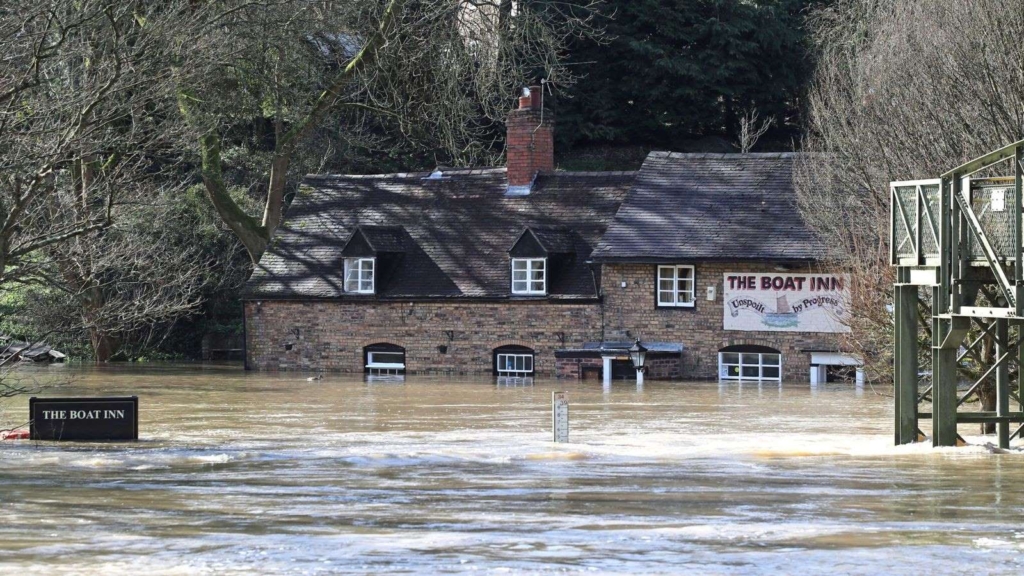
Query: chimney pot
{"x": 536, "y": 97}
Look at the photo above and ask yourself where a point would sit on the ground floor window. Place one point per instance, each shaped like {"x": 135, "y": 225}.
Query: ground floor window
{"x": 749, "y": 363}
{"x": 384, "y": 359}
{"x": 513, "y": 361}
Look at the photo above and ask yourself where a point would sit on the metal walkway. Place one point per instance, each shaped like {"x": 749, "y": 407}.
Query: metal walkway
{"x": 960, "y": 238}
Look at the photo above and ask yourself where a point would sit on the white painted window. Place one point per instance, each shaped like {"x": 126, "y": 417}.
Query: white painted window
{"x": 515, "y": 364}
{"x": 749, "y": 366}
{"x": 675, "y": 286}
{"x": 529, "y": 276}
{"x": 359, "y": 275}
{"x": 386, "y": 360}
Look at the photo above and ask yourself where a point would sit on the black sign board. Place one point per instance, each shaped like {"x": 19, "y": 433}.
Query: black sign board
{"x": 113, "y": 418}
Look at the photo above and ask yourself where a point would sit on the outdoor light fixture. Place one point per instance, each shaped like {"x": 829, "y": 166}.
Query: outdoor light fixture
{"x": 443, "y": 348}
{"x": 638, "y": 355}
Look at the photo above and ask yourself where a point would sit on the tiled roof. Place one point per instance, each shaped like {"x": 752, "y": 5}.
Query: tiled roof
{"x": 711, "y": 207}
{"x": 555, "y": 240}
{"x": 460, "y": 227}
{"x": 385, "y": 238}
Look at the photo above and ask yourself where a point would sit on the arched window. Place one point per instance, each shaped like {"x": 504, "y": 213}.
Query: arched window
{"x": 513, "y": 361}
{"x": 384, "y": 359}
{"x": 749, "y": 362}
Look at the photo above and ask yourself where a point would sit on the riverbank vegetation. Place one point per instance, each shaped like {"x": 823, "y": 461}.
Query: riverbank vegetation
{"x": 149, "y": 150}
{"x": 903, "y": 90}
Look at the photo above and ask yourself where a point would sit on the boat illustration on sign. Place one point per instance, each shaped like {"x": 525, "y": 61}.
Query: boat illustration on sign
{"x": 783, "y": 317}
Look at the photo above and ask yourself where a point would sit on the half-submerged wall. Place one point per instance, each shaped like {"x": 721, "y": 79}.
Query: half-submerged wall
{"x": 438, "y": 337}
{"x": 630, "y": 306}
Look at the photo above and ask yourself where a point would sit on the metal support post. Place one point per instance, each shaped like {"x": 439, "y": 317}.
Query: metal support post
{"x": 1018, "y": 267}
{"x": 1002, "y": 382}
{"x": 951, "y": 280}
{"x": 1018, "y": 230}
{"x": 944, "y": 398}
{"x": 905, "y": 358}
{"x": 943, "y": 302}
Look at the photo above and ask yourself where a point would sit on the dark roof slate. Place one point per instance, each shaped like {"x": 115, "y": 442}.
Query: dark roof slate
{"x": 385, "y": 238}
{"x": 555, "y": 240}
{"x": 711, "y": 207}
{"x": 459, "y": 229}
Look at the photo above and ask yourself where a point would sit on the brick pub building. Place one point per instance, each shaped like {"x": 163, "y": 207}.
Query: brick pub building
{"x": 525, "y": 270}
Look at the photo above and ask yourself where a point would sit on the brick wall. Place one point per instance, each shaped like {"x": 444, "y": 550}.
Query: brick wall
{"x": 330, "y": 336}
{"x": 530, "y": 145}
{"x": 699, "y": 329}
{"x": 664, "y": 368}
{"x": 575, "y": 367}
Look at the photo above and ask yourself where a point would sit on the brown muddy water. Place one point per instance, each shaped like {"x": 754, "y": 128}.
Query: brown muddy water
{"x": 245, "y": 473}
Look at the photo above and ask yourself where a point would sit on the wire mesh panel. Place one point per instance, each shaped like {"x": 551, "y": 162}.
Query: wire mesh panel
{"x": 904, "y": 214}
{"x": 994, "y": 208}
{"x": 929, "y": 218}
{"x": 915, "y": 220}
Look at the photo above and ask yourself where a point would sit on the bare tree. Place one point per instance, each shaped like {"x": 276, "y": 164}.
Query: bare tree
{"x": 124, "y": 288}
{"x": 437, "y": 70}
{"x": 904, "y": 89}
{"x": 751, "y": 129}
{"x": 79, "y": 105}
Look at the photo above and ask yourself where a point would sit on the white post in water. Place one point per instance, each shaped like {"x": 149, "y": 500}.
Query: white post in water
{"x": 560, "y": 416}
{"x": 606, "y": 371}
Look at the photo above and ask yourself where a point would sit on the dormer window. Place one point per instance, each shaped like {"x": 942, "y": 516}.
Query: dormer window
{"x": 359, "y": 275}
{"x": 371, "y": 256}
{"x": 529, "y": 276}
{"x": 540, "y": 257}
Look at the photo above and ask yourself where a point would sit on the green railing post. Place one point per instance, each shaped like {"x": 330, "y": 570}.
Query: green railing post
{"x": 905, "y": 357}
{"x": 1002, "y": 336}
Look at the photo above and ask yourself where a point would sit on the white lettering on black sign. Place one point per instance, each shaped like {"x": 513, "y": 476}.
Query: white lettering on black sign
{"x": 83, "y": 414}
{"x": 94, "y": 418}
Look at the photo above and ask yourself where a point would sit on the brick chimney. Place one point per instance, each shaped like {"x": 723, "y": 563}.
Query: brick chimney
{"x": 530, "y": 145}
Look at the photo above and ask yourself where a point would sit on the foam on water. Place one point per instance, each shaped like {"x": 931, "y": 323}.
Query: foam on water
{"x": 238, "y": 475}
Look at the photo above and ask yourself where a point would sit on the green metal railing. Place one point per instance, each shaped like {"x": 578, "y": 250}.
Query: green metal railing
{"x": 961, "y": 237}
{"x": 913, "y": 222}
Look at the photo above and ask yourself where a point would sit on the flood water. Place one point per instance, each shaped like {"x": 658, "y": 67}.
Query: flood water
{"x": 244, "y": 473}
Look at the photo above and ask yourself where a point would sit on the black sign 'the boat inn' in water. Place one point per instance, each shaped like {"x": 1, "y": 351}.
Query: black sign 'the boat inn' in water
{"x": 113, "y": 418}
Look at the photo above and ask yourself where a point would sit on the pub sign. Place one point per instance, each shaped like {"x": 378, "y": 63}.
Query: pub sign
{"x": 110, "y": 418}
{"x": 786, "y": 302}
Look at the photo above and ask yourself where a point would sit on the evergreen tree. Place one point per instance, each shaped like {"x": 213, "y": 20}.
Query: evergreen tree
{"x": 673, "y": 70}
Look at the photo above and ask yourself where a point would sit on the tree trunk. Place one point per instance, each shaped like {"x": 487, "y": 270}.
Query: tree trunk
{"x": 253, "y": 236}
{"x": 104, "y": 344}
{"x": 275, "y": 192}
{"x": 987, "y": 389}
{"x": 987, "y": 394}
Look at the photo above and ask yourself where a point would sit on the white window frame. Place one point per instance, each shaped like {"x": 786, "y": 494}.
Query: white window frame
{"x": 516, "y": 356}
{"x": 532, "y": 265}
{"x": 373, "y": 365}
{"x": 358, "y": 266}
{"x": 514, "y": 381}
{"x": 745, "y": 360}
{"x": 678, "y": 295}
